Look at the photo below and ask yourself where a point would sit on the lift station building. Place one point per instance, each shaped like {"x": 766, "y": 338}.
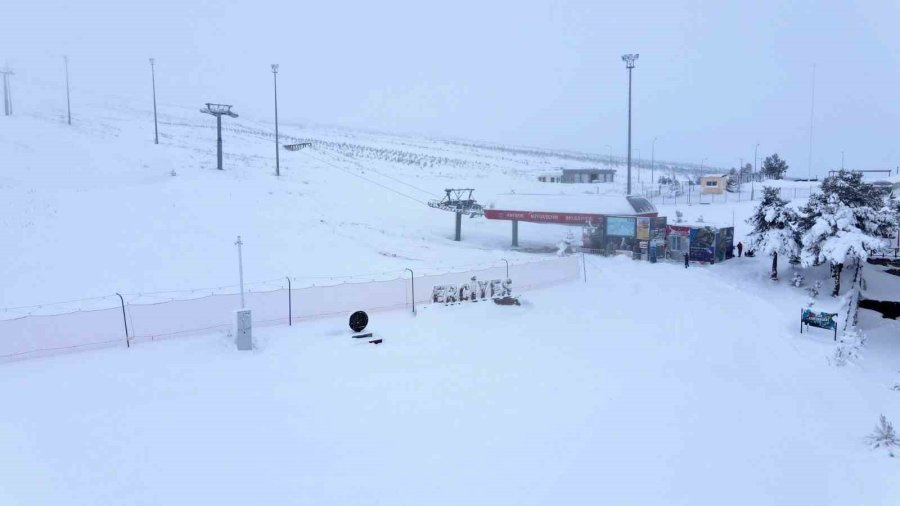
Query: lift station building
{"x": 610, "y": 223}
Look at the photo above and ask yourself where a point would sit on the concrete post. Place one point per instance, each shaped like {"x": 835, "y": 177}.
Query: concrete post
{"x": 458, "y": 227}
{"x": 515, "y": 233}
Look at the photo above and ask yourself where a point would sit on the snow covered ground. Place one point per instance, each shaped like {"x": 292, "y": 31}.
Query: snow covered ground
{"x": 649, "y": 384}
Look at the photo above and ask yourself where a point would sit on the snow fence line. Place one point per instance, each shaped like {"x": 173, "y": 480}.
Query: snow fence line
{"x": 43, "y": 335}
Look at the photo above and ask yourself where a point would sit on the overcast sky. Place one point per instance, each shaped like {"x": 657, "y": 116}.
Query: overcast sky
{"x": 713, "y": 78}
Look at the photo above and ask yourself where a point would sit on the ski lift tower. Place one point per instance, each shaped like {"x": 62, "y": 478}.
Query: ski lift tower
{"x": 218, "y": 110}
{"x": 459, "y": 201}
{"x": 7, "y": 98}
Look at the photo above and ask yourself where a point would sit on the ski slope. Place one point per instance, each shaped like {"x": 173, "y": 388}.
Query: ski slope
{"x": 586, "y": 394}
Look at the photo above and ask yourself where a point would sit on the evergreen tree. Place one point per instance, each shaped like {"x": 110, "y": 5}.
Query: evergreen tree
{"x": 848, "y": 221}
{"x": 731, "y": 180}
{"x": 774, "y": 228}
{"x": 774, "y": 167}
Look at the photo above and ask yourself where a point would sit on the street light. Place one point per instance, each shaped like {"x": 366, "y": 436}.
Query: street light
{"x": 610, "y": 154}
{"x": 753, "y": 176}
{"x": 153, "y": 79}
{"x": 652, "y": 162}
{"x": 629, "y": 64}
{"x": 68, "y": 101}
{"x": 275, "y": 79}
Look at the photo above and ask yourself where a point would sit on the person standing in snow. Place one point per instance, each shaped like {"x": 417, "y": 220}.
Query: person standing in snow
{"x": 686, "y": 259}
{"x": 740, "y": 248}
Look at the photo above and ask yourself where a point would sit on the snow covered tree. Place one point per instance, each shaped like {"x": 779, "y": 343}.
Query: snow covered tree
{"x": 774, "y": 167}
{"x": 848, "y": 221}
{"x": 774, "y": 228}
{"x": 731, "y": 180}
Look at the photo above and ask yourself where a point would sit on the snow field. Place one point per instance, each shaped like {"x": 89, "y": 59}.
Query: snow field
{"x": 585, "y": 394}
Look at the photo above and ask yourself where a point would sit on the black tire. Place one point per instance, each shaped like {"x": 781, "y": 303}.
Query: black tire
{"x": 358, "y": 321}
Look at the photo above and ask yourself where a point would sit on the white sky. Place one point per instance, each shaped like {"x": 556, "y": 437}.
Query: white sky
{"x": 713, "y": 77}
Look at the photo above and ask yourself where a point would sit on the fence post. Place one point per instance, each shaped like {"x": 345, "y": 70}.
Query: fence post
{"x": 412, "y": 280}
{"x": 125, "y": 320}
{"x": 583, "y": 266}
{"x": 290, "y": 316}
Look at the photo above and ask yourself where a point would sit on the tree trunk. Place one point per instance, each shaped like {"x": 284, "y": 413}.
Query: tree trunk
{"x": 836, "y": 274}
{"x": 774, "y": 274}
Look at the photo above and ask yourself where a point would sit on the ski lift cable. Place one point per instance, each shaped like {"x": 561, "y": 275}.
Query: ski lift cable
{"x": 376, "y": 183}
{"x": 361, "y": 166}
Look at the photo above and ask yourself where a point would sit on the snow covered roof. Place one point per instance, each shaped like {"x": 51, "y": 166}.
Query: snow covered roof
{"x": 580, "y": 203}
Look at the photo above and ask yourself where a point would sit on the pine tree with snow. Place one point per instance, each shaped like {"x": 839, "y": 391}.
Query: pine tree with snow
{"x": 774, "y": 228}
{"x": 774, "y": 167}
{"x": 848, "y": 221}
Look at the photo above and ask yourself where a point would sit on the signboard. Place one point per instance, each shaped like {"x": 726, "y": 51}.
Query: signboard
{"x": 543, "y": 217}
{"x": 703, "y": 244}
{"x": 643, "y": 228}
{"x": 619, "y": 226}
{"x": 472, "y": 291}
{"x": 677, "y": 231}
{"x": 820, "y": 320}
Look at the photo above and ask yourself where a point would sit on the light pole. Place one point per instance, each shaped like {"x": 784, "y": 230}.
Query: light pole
{"x": 753, "y": 175}
{"x": 610, "y": 154}
{"x": 842, "y": 160}
{"x": 7, "y": 96}
{"x": 652, "y": 162}
{"x": 275, "y": 80}
{"x": 68, "y": 101}
{"x": 412, "y": 281}
{"x": 153, "y": 79}
{"x": 629, "y": 64}
{"x": 638, "y": 163}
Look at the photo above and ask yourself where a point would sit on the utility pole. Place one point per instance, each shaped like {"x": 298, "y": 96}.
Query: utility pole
{"x": 218, "y": 110}
{"x": 153, "y": 79}
{"x": 239, "y": 243}
{"x": 753, "y": 176}
{"x": 68, "y": 101}
{"x": 629, "y": 64}
{"x": 7, "y": 97}
{"x": 652, "y": 162}
{"x": 275, "y": 78}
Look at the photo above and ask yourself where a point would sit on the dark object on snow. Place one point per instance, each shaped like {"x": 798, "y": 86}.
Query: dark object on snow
{"x": 507, "y": 301}
{"x": 360, "y": 336}
{"x": 750, "y": 253}
{"x": 740, "y": 247}
{"x": 895, "y": 272}
{"x": 887, "y": 308}
{"x": 376, "y": 341}
{"x": 687, "y": 259}
{"x": 358, "y": 321}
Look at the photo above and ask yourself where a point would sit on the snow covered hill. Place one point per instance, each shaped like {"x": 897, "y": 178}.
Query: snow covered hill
{"x": 94, "y": 208}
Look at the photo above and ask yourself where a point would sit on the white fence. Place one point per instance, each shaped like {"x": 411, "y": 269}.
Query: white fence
{"x": 40, "y": 335}
{"x": 695, "y": 196}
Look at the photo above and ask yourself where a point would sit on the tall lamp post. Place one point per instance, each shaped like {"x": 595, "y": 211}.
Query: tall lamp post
{"x": 68, "y": 101}
{"x": 629, "y": 64}
{"x": 610, "y": 154}
{"x": 153, "y": 79}
{"x": 753, "y": 176}
{"x": 275, "y": 80}
{"x": 652, "y": 162}
{"x": 7, "y": 96}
